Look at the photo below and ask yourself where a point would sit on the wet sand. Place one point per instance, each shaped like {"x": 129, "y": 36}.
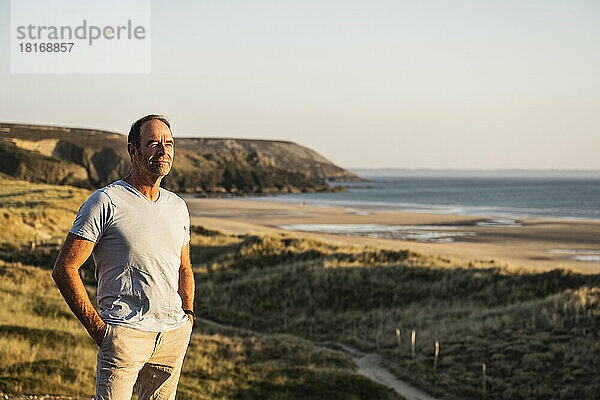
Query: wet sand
{"x": 542, "y": 244}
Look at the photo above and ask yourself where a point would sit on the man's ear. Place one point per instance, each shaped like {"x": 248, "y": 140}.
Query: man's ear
{"x": 131, "y": 149}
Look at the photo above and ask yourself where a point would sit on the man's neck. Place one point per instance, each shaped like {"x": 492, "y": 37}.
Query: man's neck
{"x": 147, "y": 186}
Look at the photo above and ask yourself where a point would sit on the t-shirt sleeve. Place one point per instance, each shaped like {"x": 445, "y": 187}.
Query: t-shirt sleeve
{"x": 93, "y": 217}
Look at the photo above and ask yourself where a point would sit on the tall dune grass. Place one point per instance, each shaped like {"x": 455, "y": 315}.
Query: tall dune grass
{"x": 537, "y": 333}
{"x": 45, "y": 350}
{"x": 288, "y": 300}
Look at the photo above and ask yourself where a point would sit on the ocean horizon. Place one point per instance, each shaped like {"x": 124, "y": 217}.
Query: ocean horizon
{"x": 553, "y": 194}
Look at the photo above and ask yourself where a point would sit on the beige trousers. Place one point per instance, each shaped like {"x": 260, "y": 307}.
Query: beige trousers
{"x": 150, "y": 361}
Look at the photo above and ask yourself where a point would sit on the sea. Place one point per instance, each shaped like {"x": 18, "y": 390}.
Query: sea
{"x": 549, "y": 196}
{"x": 503, "y": 199}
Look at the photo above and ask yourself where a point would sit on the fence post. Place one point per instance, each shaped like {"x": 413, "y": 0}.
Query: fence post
{"x": 484, "y": 367}
{"x": 437, "y": 355}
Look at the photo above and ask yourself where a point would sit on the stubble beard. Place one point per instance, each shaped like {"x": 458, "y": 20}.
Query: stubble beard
{"x": 158, "y": 169}
{"x": 153, "y": 168}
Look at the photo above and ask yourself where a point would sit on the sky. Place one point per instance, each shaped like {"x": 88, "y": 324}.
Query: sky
{"x": 435, "y": 84}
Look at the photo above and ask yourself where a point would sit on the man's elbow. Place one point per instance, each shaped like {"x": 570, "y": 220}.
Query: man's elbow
{"x": 59, "y": 271}
{"x": 56, "y": 273}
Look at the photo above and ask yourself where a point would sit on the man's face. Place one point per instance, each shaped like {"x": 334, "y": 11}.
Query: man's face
{"x": 156, "y": 152}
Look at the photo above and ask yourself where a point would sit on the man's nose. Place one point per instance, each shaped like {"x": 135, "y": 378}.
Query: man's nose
{"x": 162, "y": 148}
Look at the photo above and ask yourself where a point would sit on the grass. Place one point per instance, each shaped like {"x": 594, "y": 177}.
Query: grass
{"x": 537, "y": 333}
{"x": 240, "y": 364}
{"x": 36, "y": 212}
{"x": 42, "y": 350}
{"x": 45, "y": 350}
{"x": 283, "y": 303}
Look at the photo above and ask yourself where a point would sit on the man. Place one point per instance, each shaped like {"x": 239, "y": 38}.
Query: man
{"x": 138, "y": 234}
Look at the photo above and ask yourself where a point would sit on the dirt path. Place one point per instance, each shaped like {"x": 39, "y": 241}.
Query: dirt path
{"x": 371, "y": 366}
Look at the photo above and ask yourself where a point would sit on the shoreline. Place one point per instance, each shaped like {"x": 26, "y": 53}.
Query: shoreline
{"x": 436, "y": 209}
{"x": 404, "y": 208}
{"x": 539, "y": 244}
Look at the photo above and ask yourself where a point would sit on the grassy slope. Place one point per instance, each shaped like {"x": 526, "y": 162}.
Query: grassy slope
{"x": 30, "y": 212}
{"x": 44, "y": 349}
{"x": 537, "y": 333}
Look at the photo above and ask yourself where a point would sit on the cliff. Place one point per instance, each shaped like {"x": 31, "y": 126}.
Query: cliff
{"x": 92, "y": 158}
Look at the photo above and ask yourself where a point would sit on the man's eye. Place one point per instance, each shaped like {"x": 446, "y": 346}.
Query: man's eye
{"x": 155, "y": 144}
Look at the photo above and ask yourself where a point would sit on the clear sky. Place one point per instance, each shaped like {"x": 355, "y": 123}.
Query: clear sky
{"x": 369, "y": 84}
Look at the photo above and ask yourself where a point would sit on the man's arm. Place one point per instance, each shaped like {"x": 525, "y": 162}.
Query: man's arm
{"x": 186, "y": 281}
{"x": 73, "y": 254}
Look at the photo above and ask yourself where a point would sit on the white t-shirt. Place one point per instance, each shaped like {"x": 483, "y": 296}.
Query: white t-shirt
{"x": 137, "y": 255}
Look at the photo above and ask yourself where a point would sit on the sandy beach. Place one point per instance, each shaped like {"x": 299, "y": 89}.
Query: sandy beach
{"x": 542, "y": 244}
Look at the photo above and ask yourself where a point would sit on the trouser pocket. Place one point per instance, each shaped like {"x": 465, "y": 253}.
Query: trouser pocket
{"x": 121, "y": 356}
